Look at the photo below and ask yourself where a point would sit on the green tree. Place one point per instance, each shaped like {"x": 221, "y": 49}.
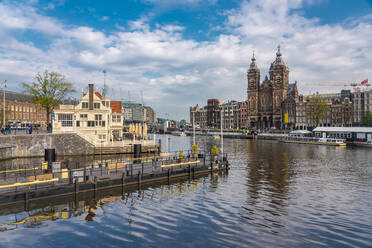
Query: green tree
{"x": 316, "y": 109}
{"x": 49, "y": 90}
{"x": 367, "y": 118}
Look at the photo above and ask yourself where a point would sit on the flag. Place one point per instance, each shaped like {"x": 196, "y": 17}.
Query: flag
{"x": 364, "y": 82}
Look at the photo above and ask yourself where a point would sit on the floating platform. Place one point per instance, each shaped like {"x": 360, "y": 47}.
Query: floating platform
{"x": 35, "y": 183}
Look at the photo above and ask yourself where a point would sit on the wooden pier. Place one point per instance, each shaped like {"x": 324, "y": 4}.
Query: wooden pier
{"x": 23, "y": 185}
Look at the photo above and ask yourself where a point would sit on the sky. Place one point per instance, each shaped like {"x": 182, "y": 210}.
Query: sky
{"x": 174, "y": 54}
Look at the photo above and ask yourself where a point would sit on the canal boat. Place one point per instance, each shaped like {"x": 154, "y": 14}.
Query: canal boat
{"x": 304, "y": 137}
{"x": 364, "y": 144}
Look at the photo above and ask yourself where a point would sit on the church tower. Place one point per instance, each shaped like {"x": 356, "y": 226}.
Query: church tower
{"x": 279, "y": 76}
{"x": 253, "y": 76}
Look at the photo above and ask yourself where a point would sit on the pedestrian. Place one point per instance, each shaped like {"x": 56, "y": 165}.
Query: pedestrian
{"x": 30, "y": 129}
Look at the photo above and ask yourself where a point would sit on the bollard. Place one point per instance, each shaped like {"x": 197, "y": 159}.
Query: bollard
{"x": 76, "y": 186}
{"x": 139, "y": 177}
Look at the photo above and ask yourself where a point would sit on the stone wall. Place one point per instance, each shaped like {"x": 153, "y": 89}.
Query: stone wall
{"x": 34, "y": 145}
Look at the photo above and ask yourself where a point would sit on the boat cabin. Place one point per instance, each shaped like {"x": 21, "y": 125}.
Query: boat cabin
{"x": 351, "y": 134}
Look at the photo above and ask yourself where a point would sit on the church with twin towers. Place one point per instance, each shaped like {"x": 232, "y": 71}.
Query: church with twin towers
{"x": 265, "y": 100}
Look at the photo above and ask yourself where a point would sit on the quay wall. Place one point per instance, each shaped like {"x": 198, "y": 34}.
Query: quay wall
{"x": 33, "y": 145}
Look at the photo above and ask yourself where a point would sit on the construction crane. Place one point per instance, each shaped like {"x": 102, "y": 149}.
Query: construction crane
{"x": 344, "y": 84}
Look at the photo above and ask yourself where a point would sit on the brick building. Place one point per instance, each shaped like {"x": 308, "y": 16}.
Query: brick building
{"x": 19, "y": 108}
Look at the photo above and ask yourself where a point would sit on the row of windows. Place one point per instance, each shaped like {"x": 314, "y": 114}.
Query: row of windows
{"x": 96, "y": 105}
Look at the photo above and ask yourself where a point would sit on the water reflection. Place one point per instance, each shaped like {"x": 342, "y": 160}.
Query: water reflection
{"x": 275, "y": 195}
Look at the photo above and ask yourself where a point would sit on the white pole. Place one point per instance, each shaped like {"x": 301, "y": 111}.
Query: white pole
{"x": 4, "y": 86}
{"x": 222, "y": 133}
{"x": 193, "y": 126}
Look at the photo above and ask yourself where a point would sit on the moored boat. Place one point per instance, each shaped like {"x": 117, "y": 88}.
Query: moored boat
{"x": 303, "y": 137}
{"x": 364, "y": 144}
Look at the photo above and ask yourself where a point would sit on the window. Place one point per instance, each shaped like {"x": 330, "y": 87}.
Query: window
{"x": 101, "y": 136}
{"x": 116, "y": 118}
{"x": 78, "y": 123}
{"x": 97, "y": 105}
{"x": 65, "y": 120}
{"x": 98, "y": 117}
{"x": 83, "y": 116}
{"x": 84, "y": 105}
{"x": 103, "y": 123}
{"x": 90, "y": 123}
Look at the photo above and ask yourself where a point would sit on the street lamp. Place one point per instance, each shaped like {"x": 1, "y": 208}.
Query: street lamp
{"x": 3, "y": 86}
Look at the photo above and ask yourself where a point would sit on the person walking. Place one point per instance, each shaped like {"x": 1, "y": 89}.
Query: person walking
{"x": 30, "y": 129}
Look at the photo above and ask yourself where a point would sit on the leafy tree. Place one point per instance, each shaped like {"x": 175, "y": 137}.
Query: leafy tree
{"x": 316, "y": 109}
{"x": 49, "y": 90}
{"x": 367, "y": 118}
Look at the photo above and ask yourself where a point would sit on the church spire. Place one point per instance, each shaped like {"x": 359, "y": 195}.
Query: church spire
{"x": 253, "y": 63}
{"x": 278, "y": 53}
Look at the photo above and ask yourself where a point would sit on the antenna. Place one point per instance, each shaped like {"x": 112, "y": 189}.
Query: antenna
{"x": 104, "y": 84}
{"x": 143, "y": 104}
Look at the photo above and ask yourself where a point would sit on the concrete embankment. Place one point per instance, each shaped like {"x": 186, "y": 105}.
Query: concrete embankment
{"x": 18, "y": 146}
{"x": 68, "y": 144}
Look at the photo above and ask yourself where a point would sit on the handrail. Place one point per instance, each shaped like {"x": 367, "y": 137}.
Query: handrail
{"x": 28, "y": 183}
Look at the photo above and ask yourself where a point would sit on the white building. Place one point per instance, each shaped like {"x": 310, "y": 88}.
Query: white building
{"x": 95, "y": 118}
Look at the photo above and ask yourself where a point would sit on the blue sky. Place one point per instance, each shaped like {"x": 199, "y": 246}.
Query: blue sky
{"x": 179, "y": 53}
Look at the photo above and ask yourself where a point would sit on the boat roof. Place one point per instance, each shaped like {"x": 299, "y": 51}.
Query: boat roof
{"x": 300, "y": 132}
{"x": 344, "y": 129}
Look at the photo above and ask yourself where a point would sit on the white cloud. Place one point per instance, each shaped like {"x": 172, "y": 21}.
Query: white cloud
{"x": 188, "y": 71}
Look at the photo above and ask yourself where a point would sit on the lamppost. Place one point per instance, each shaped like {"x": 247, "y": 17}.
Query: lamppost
{"x": 193, "y": 126}
{"x": 3, "y": 86}
{"x": 222, "y": 113}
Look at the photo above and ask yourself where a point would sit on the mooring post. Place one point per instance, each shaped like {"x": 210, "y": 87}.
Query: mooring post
{"x": 95, "y": 187}
{"x": 123, "y": 178}
{"x": 131, "y": 169}
{"x": 76, "y": 185}
{"x": 189, "y": 170}
{"x": 139, "y": 177}
{"x": 142, "y": 168}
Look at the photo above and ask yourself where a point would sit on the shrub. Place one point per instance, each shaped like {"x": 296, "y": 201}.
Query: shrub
{"x": 214, "y": 151}
{"x": 194, "y": 149}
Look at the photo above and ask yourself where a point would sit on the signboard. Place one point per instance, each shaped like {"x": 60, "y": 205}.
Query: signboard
{"x": 56, "y": 167}
{"x": 44, "y": 166}
{"x": 286, "y": 118}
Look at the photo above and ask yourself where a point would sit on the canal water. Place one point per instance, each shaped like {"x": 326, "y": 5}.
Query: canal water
{"x": 275, "y": 195}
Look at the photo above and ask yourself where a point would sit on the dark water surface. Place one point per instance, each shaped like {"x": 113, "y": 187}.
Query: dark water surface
{"x": 275, "y": 195}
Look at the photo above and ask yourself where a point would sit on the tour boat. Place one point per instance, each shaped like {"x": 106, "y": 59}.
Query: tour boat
{"x": 364, "y": 144}
{"x": 302, "y": 137}
{"x": 182, "y": 134}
